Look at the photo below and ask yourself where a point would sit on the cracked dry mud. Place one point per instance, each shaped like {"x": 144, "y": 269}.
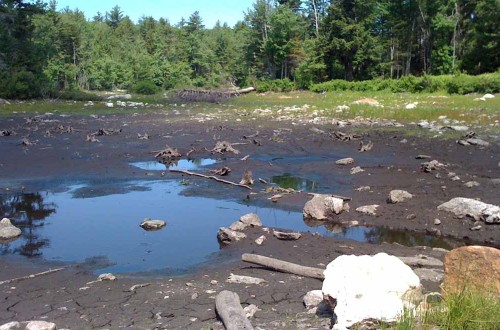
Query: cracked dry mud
{"x": 66, "y": 299}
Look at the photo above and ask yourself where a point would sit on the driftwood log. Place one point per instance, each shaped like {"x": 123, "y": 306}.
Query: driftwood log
{"x": 284, "y": 266}
{"x": 211, "y": 95}
{"x": 212, "y": 177}
{"x": 230, "y": 311}
{"x": 27, "y": 277}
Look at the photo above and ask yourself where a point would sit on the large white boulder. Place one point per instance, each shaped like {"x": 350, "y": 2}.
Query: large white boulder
{"x": 370, "y": 287}
{"x": 478, "y": 210}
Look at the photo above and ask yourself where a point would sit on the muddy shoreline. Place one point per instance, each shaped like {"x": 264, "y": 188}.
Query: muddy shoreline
{"x": 275, "y": 147}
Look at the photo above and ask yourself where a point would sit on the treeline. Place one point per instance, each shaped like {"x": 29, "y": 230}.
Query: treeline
{"x": 300, "y": 42}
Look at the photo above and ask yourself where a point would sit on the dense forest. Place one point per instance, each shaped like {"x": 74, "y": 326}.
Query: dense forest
{"x": 43, "y": 50}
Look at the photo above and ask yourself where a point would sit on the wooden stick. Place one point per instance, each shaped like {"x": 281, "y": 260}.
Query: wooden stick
{"x": 230, "y": 311}
{"x": 212, "y": 178}
{"x": 284, "y": 266}
{"x": 27, "y": 277}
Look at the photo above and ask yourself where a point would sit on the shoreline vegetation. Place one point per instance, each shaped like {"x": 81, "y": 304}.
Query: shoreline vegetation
{"x": 286, "y": 45}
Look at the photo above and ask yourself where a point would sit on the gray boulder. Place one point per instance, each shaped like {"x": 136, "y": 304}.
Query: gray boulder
{"x": 247, "y": 220}
{"x": 398, "y": 196}
{"x": 8, "y": 232}
{"x": 40, "y": 325}
{"x": 478, "y": 210}
{"x": 10, "y": 326}
{"x": 323, "y": 207}
{"x": 227, "y": 236}
{"x": 148, "y": 224}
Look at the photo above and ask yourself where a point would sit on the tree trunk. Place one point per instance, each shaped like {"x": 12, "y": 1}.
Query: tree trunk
{"x": 284, "y": 266}
{"x": 230, "y": 311}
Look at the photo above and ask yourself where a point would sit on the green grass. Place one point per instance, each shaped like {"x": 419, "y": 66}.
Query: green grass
{"x": 465, "y": 310}
{"x": 299, "y": 104}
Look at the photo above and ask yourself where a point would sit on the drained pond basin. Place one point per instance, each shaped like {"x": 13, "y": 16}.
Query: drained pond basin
{"x": 81, "y": 224}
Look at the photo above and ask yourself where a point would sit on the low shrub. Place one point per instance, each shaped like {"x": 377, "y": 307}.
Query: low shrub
{"x": 145, "y": 87}
{"x": 278, "y": 85}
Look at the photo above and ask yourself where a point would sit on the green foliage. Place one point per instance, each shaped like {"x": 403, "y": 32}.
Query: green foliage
{"x": 145, "y": 87}
{"x": 466, "y": 310}
{"x": 459, "y": 84}
{"x": 277, "y": 85}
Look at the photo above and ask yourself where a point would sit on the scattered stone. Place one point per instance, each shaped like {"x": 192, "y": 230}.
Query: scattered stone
{"x": 106, "y": 277}
{"x": 431, "y": 166}
{"x": 40, "y": 325}
{"x": 11, "y": 326}
{"x": 120, "y": 96}
{"x": 476, "y": 228}
{"x": 313, "y": 298}
{"x": 472, "y": 268}
{"x": 411, "y": 216}
{"x": 286, "y": 236}
{"x": 322, "y": 207}
{"x": 363, "y": 188}
{"x": 368, "y": 209}
{"x": 8, "y": 232}
{"x": 226, "y": 236}
{"x": 398, "y": 196}
{"x": 250, "y": 311}
{"x": 423, "y": 157}
{"x": 238, "y": 279}
{"x": 345, "y": 161}
{"x": 150, "y": 225}
{"x": 437, "y": 222}
{"x": 403, "y": 141}
{"x": 248, "y": 220}
{"x": 260, "y": 240}
{"x": 478, "y": 142}
{"x": 459, "y": 128}
{"x": 472, "y": 184}
{"x": 433, "y": 231}
{"x": 422, "y": 261}
{"x": 356, "y": 170}
{"x": 488, "y": 96}
{"x": 478, "y": 210}
{"x": 410, "y": 106}
{"x": 356, "y": 286}
{"x": 429, "y": 274}
{"x": 109, "y": 104}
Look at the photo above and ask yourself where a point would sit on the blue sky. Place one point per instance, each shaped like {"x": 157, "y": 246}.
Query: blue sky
{"x": 229, "y": 11}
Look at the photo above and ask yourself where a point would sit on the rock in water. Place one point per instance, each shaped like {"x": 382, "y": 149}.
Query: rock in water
{"x": 370, "y": 287}
{"x": 227, "y": 236}
{"x": 398, "y": 196}
{"x": 148, "y": 224}
{"x": 322, "y": 207}
{"x": 462, "y": 207}
{"x": 472, "y": 267}
{"x": 40, "y": 325}
{"x": 8, "y": 231}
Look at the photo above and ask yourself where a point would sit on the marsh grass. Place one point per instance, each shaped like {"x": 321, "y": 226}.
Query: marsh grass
{"x": 466, "y": 310}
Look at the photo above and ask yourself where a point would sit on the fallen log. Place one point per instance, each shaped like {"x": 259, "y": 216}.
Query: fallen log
{"x": 212, "y": 178}
{"x": 227, "y": 304}
{"x": 284, "y": 266}
{"x": 27, "y": 277}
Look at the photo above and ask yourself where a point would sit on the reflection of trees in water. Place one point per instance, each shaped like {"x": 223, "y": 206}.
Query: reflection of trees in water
{"x": 378, "y": 235}
{"x": 288, "y": 181}
{"x": 26, "y": 211}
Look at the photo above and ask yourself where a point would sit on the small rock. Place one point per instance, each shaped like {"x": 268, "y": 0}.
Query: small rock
{"x": 226, "y": 236}
{"x": 8, "y": 231}
{"x": 149, "y": 225}
{"x": 411, "y": 216}
{"x": 109, "y": 104}
{"x": 433, "y": 231}
{"x": 410, "y": 106}
{"x": 368, "y": 209}
{"x": 478, "y": 142}
{"x": 471, "y": 184}
{"x": 106, "y": 277}
{"x": 250, "y": 311}
{"x": 398, "y": 196}
{"x": 476, "y": 228}
{"x": 194, "y": 296}
{"x": 260, "y": 240}
{"x": 313, "y": 298}
{"x": 345, "y": 161}
{"x": 488, "y": 96}
{"x": 40, "y": 325}
{"x": 286, "y": 236}
{"x": 323, "y": 207}
{"x": 251, "y": 219}
{"x": 10, "y": 326}
{"x": 403, "y": 141}
{"x": 363, "y": 188}
{"x": 367, "y": 101}
{"x": 437, "y": 222}
{"x": 423, "y": 157}
{"x": 356, "y": 170}
{"x": 238, "y": 279}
